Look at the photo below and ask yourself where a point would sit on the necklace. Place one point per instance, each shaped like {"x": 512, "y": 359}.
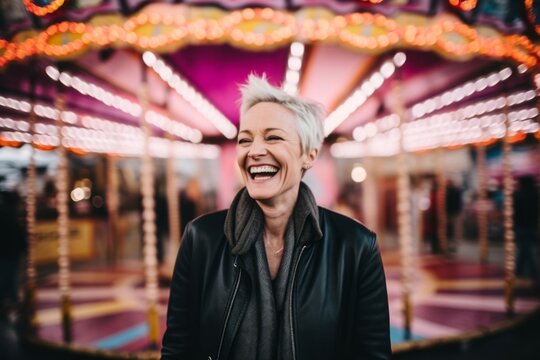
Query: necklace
{"x": 271, "y": 250}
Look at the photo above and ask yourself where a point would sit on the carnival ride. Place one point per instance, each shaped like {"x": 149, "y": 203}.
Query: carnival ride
{"x": 157, "y": 80}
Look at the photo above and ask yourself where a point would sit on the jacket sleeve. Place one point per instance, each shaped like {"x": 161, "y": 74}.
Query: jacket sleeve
{"x": 178, "y": 338}
{"x": 372, "y": 327}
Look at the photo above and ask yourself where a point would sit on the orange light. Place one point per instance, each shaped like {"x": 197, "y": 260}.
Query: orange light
{"x": 77, "y": 151}
{"x": 465, "y": 5}
{"x": 454, "y": 147}
{"x": 517, "y": 137}
{"x": 43, "y": 147}
{"x": 43, "y": 10}
{"x": 530, "y": 15}
{"x": 267, "y": 13}
{"x": 281, "y": 26}
{"x": 485, "y": 142}
{"x": 248, "y": 13}
{"x": 11, "y": 143}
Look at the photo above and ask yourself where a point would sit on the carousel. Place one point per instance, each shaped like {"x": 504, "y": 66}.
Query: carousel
{"x": 118, "y": 120}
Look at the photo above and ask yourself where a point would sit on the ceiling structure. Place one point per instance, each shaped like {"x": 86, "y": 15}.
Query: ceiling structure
{"x": 330, "y": 71}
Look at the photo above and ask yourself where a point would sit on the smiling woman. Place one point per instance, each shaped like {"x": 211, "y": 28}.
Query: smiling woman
{"x": 270, "y": 154}
{"x": 275, "y": 276}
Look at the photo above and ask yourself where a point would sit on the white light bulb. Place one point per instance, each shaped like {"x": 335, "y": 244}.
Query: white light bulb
{"x": 505, "y": 73}
{"x": 358, "y": 174}
{"x": 52, "y": 72}
{"x": 376, "y": 80}
{"x": 399, "y": 59}
{"x": 294, "y": 63}
{"x": 388, "y": 69}
{"x": 297, "y": 49}
{"x": 149, "y": 58}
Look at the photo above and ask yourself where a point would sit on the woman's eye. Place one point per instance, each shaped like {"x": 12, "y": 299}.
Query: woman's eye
{"x": 274, "y": 138}
{"x": 243, "y": 141}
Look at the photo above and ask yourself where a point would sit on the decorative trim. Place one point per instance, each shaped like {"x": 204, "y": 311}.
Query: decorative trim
{"x": 530, "y": 15}
{"x": 167, "y": 27}
{"x": 464, "y": 5}
{"x": 42, "y": 10}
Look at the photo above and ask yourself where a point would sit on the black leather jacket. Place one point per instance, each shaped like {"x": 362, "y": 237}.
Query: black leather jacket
{"x": 339, "y": 299}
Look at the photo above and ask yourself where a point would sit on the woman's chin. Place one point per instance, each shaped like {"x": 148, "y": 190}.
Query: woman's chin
{"x": 260, "y": 194}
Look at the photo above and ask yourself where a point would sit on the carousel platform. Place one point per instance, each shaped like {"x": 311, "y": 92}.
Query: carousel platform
{"x": 456, "y": 301}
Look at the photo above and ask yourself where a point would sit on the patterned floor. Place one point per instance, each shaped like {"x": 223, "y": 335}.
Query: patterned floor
{"x": 453, "y": 296}
{"x": 450, "y": 297}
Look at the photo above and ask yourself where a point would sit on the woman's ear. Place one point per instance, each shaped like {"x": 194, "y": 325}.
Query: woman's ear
{"x": 310, "y": 158}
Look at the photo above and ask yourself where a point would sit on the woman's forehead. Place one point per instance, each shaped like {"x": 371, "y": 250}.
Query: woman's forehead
{"x": 268, "y": 115}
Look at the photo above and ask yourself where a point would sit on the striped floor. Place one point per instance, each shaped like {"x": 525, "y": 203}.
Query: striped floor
{"x": 449, "y": 296}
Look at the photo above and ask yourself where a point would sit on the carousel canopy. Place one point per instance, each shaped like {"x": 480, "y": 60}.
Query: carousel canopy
{"x": 459, "y": 64}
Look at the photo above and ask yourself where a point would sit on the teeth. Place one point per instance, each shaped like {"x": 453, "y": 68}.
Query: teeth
{"x": 263, "y": 169}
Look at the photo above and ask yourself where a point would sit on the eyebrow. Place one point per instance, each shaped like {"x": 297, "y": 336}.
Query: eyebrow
{"x": 265, "y": 130}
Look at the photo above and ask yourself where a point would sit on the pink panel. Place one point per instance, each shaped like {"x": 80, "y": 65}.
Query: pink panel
{"x": 330, "y": 73}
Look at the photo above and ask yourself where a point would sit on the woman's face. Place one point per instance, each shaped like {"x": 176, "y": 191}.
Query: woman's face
{"x": 269, "y": 153}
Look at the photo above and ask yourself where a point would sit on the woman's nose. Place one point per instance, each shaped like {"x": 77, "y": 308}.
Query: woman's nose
{"x": 257, "y": 148}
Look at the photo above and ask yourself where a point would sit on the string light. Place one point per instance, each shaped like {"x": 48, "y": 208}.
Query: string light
{"x": 125, "y": 105}
{"x": 294, "y": 66}
{"x": 362, "y": 93}
{"x": 268, "y": 28}
{"x": 111, "y": 131}
{"x": 42, "y": 10}
{"x": 353, "y": 34}
{"x": 459, "y": 93}
{"x": 465, "y": 5}
{"x": 19, "y": 105}
{"x": 167, "y": 29}
{"x": 106, "y": 143}
{"x": 508, "y": 211}
{"x": 273, "y": 27}
{"x": 442, "y": 131}
{"x": 447, "y": 98}
{"x": 531, "y": 16}
{"x": 192, "y": 96}
{"x": 94, "y": 91}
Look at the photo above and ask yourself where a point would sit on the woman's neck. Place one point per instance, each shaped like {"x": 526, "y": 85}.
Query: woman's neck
{"x": 276, "y": 217}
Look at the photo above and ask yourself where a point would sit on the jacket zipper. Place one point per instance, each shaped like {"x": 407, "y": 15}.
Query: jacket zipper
{"x": 236, "y": 286}
{"x": 291, "y": 303}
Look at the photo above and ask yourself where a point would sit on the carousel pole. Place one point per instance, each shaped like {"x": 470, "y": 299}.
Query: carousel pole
{"x": 172, "y": 198}
{"x": 149, "y": 221}
{"x": 63, "y": 220}
{"x": 442, "y": 219}
{"x": 112, "y": 209}
{"x": 370, "y": 192}
{"x": 172, "y": 194}
{"x": 404, "y": 214}
{"x": 29, "y": 306}
{"x": 509, "y": 245}
{"x": 482, "y": 203}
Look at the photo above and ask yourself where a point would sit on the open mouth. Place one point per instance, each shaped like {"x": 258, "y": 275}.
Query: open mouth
{"x": 262, "y": 172}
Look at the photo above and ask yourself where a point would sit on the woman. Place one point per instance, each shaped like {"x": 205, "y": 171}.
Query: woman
{"x": 275, "y": 276}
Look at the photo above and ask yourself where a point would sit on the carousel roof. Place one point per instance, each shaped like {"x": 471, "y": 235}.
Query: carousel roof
{"x": 453, "y": 59}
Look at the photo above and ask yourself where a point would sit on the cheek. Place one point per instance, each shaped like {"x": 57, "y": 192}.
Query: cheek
{"x": 240, "y": 155}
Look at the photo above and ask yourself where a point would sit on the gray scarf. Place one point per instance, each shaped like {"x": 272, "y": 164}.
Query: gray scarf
{"x": 264, "y": 333}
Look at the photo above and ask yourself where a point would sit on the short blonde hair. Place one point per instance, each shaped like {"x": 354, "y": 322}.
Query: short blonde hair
{"x": 309, "y": 114}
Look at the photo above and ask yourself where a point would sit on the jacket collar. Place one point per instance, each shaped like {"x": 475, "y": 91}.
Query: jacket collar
{"x": 244, "y": 221}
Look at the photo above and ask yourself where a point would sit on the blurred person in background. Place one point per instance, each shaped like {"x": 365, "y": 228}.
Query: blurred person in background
{"x": 430, "y": 219}
{"x": 346, "y": 203}
{"x": 275, "y": 276}
{"x": 13, "y": 247}
{"x": 526, "y": 216}
{"x": 190, "y": 199}
{"x": 454, "y": 206}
